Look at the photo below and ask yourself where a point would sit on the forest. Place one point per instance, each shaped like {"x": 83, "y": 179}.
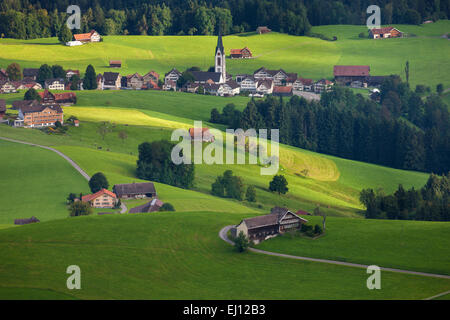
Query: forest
{"x": 401, "y": 131}
{"x": 30, "y": 19}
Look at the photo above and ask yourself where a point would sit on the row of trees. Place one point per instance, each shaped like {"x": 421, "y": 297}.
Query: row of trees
{"x": 402, "y": 132}
{"x": 429, "y": 203}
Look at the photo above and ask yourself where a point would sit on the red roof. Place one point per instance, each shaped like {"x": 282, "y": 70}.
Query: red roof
{"x": 351, "y": 71}
{"x": 279, "y": 89}
{"x": 193, "y": 131}
{"x": 115, "y": 62}
{"x": 84, "y": 36}
{"x": 90, "y": 197}
{"x": 235, "y": 51}
{"x": 65, "y": 96}
{"x": 382, "y": 30}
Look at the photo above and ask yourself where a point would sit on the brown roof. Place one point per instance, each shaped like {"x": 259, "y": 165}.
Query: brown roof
{"x": 381, "y": 30}
{"x": 274, "y": 218}
{"x": 151, "y": 206}
{"x": 91, "y": 197}
{"x": 278, "y": 89}
{"x": 235, "y": 51}
{"x": 65, "y": 96}
{"x": 39, "y": 108}
{"x": 16, "y": 105}
{"x": 199, "y": 131}
{"x": 134, "y": 188}
{"x": 115, "y": 62}
{"x": 351, "y": 71}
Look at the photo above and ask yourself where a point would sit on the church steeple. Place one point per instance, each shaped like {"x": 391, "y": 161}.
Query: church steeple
{"x": 220, "y": 58}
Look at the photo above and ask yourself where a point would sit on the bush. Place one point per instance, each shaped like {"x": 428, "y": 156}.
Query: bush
{"x": 241, "y": 242}
{"x": 318, "y": 229}
{"x": 98, "y": 182}
{"x": 420, "y": 88}
{"x": 250, "y": 195}
{"x": 80, "y": 208}
{"x": 362, "y": 35}
{"x": 167, "y": 207}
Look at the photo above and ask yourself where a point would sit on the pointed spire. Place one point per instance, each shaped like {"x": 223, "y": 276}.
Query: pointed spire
{"x": 219, "y": 43}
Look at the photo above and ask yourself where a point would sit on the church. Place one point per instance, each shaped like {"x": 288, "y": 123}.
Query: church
{"x": 219, "y": 76}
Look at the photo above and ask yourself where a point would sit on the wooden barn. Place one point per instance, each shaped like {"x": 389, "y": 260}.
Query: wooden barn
{"x": 244, "y": 53}
{"x": 115, "y": 63}
{"x": 135, "y": 190}
{"x": 383, "y": 33}
{"x": 348, "y": 74}
{"x": 263, "y": 29}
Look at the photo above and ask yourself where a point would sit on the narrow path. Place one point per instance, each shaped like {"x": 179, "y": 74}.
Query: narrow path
{"x": 123, "y": 207}
{"x": 438, "y": 295}
{"x": 223, "y": 236}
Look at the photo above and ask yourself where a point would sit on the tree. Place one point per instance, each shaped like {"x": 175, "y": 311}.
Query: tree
{"x": 98, "y": 182}
{"x": 45, "y": 72}
{"x": 228, "y": 186}
{"x": 71, "y": 198}
{"x": 80, "y": 208}
{"x": 122, "y": 135}
{"x": 64, "y": 34}
{"x": 90, "y": 79}
{"x": 241, "y": 242}
{"x": 103, "y": 129}
{"x": 250, "y": 194}
{"x": 58, "y": 71}
{"x": 167, "y": 207}
{"x": 74, "y": 81}
{"x": 32, "y": 94}
{"x": 14, "y": 72}
{"x": 407, "y": 71}
{"x": 279, "y": 184}
{"x": 440, "y": 89}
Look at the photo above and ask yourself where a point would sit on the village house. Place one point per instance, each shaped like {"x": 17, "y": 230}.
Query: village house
{"x": 248, "y": 84}
{"x": 383, "y": 33}
{"x": 64, "y": 98}
{"x": 17, "y": 104}
{"x": 170, "y": 79}
{"x": 282, "y": 91}
{"x": 265, "y": 86}
{"x": 25, "y": 85}
{"x": 70, "y": 73}
{"x": 8, "y": 87}
{"x": 207, "y": 77}
{"x": 279, "y": 77}
{"x": 37, "y": 115}
{"x": 135, "y": 81}
{"x": 151, "y": 206}
{"x": 135, "y": 190}
{"x": 260, "y": 228}
{"x": 151, "y": 76}
{"x": 92, "y": 36}
{"x": 111, "y": 81}
{"x": 55, "y": 84}
{"x": 115, "y": 63}
{"x": 348, "y": 74}
{"x": 21, "y": 222}
{"x": 101, "y": 199}
{"x": 262, "y": 30}
{"x": 244, "y": 53}
{"x": 30, "y": 74}
{"x": 192, "y": 87}
{"x": 323, "y": 85}
{"x": 230, "y": 89}
{"x": 201, "y": 134}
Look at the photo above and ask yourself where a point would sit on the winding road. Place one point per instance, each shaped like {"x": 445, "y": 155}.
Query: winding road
{"x": 223, "y": 236}
{"x": 123, "y": 207}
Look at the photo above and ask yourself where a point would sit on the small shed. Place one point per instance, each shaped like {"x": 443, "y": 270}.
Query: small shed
{"x": 115, "y": 63}
{"x": 21, "y": 222}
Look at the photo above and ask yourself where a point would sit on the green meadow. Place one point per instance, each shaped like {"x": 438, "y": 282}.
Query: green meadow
{"x": 310, "y": 57}
{"x": 174, "y": 256}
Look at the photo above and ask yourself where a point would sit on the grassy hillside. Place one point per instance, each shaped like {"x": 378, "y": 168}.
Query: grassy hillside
{"x": 310, "y": 57}
{"x": 35, "y": 182}
{"x": 414, "y": 245}
{"x": 175, "y": 256}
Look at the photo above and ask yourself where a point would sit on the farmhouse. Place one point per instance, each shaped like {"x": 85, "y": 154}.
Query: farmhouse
{"x": 248, "y": 84}
{"x": 151, "y": 206}
{"x": 55, "y": 84}
{"x": 260, "y": 228}
{"x": 244, "y": 53}
{"x": 8, "y": 87}
{"x": 92, "y": 36}
{"x": 135, "y": 81}
{"x": 348, "y": 74}
{"x": 30, "y": 74}
{"x": 111, "y": 80}
{"x": 64, "y": 98}
{"x": 382, "y": 33}
{"x": 21, "y": 222}
{"x": 37, "y": 115}
{"x": 115, "y": 63}
{"x": 135, "y": 190}
{"x": 171, "y": 78}
{"x": 201, "y": 134}
{"x": 26, "y": 84}
{"x": 16, "y": 105}
{"x": 262, "y": 30}
{"x": 265, "y": 86}
{"x": 101, "y": 199}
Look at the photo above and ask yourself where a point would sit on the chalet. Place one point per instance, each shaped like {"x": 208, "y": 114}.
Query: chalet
{"x": 248, "y": 84}
{"x": 302, "y": 84}
{"x": 212, "y": 89}
{"x": 348, "y": 74}
{"x": 25, "y": 85}
{"x": 135, "y": 190}
{"x": 3, "y": 76}
{"x": 262, "y": 30}
{"x": 280, "y": 77}
{"x": 322, "y": 85}
{"x": 265, "y": 86}
{"x": 208, "y": 77}
{"x": 240, "y": 77}
{"x": 101, "y": 199}
{"x": 170, "y": 85}
{"x": 2, "y": 108}
{"x": 202, "y": 134}
{"x": 30, "y": 74}
{"x": 70, "y": 73}
{"x": 55, "y": 84}
{"x": 115, "y": 63}
{"x": 92, "y": 36}
{"x": 66, "y": 98}
{"x": 37, "y": 115}
{"x": 111, "y": 81}
{"x": 262, "y": 73}
{"x": 135, "y": 81}
{"x": 21, "y": 222}
{"x": 230, "y": 89}
{"x": 260, "y": 228}
{"x": 151, "y": 206}
{"x": 152, "y": 75}
{"x": 8, "y": 87}
{"x": 282, "y": 91}
{"x": 382, "y": 33}
{"x": 170, "y": 79}
{"x": 244, "y": 53}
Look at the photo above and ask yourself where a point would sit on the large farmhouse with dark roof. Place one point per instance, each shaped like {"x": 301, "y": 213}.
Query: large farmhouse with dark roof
{"x": 135, "y": 190}
{"x": 348, "y": 74}
{"x": 260, "y": 228}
